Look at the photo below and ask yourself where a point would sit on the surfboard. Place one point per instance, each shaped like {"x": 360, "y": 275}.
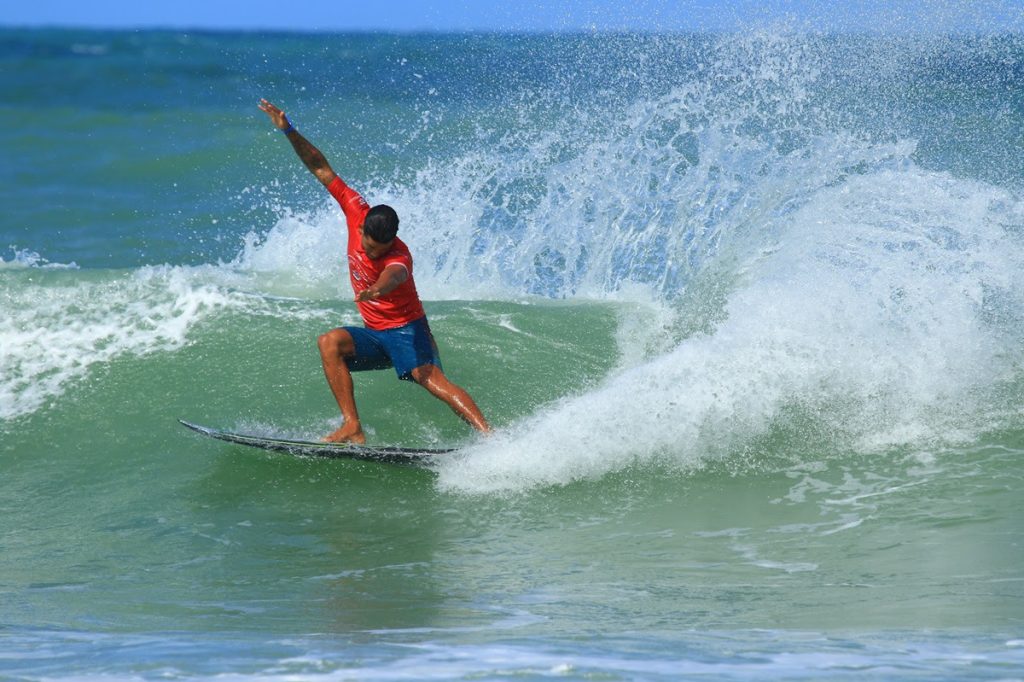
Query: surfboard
{"x": 304, "y": 448}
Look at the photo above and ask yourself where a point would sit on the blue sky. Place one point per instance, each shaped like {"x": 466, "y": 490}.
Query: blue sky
{"x": 523, "y": 15}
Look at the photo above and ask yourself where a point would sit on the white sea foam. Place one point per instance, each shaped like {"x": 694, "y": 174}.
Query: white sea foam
{"x": 52, "y": 333}
{"x": 25, "y": 258}
{"x": 885, "y": 314}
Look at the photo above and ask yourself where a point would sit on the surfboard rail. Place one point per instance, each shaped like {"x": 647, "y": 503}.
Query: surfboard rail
{"x": 303, "y": 448}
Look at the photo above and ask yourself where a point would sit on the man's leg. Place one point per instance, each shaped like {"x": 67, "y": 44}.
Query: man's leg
{"x": 433, "y": 379}
{"x": 335, "y": 346}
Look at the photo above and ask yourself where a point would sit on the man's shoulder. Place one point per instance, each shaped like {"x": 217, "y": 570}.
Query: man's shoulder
{"x": 347, "y": 198}
{"x": 399, "y": 249}
{"x": 352, "y": 204}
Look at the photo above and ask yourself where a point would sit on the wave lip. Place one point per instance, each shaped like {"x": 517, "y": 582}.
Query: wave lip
{"x": 55, "y": 330}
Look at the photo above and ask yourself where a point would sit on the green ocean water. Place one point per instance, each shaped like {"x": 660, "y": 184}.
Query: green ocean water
{"x": 746, "y": 311}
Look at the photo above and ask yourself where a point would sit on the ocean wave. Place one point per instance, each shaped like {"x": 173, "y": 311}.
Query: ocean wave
{"x": 802, "y": 264}
{"x": 54, "y": 330}
{"x": 889, "y": 312}
{"x": 60, "y": 324}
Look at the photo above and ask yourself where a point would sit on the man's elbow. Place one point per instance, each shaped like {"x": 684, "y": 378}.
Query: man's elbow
{"x": 324, "y": 175}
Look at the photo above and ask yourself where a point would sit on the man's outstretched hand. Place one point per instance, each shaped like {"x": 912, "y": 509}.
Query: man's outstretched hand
{"x": 277, "y": 116}
{"x": 310, "y": 155}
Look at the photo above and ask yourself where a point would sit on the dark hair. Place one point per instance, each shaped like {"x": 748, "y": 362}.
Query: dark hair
{"x": 381, "y": 224}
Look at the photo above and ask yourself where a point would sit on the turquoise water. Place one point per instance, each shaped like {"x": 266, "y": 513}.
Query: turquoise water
{"x": 746, "y": 310}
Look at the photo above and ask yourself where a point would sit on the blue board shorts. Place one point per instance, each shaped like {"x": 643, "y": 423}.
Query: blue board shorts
{"x": 405, "y": 348}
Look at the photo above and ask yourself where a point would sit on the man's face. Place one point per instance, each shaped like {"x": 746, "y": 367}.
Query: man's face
{"x": 373, "y": 248}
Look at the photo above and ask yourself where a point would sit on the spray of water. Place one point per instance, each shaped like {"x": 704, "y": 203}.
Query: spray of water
{"x": 868, "y": 301}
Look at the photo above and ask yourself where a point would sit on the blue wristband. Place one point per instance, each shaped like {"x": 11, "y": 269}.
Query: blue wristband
{"x": 289, "y": 129}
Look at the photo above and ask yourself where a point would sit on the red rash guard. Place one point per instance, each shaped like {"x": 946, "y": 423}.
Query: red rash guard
{"x": 402, "y": 305}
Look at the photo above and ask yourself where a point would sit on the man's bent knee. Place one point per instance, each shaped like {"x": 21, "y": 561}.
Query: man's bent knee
{"x": 336, "y": 343}
{"x": 432, "y": 378}
{"x": 424, "y": 373}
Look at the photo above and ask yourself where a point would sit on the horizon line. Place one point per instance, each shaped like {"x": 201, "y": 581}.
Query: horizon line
{"x": 184, "y": 28}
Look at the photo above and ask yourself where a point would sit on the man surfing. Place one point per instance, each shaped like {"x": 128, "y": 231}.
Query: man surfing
{"x": 380, "y": 268}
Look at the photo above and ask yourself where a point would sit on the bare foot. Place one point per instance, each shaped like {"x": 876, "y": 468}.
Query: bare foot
{"x": 349, "y": 432}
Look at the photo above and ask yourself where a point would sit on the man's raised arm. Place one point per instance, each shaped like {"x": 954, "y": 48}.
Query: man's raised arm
{"x": 310, "y": 155}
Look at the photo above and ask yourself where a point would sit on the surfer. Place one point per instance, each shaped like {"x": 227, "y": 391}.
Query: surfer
{"x": 396, "y": 332}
